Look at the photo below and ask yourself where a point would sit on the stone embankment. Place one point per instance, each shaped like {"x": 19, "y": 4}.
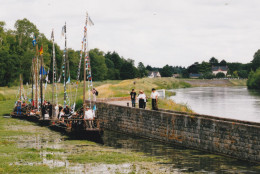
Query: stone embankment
{"x": 235, "y": 138}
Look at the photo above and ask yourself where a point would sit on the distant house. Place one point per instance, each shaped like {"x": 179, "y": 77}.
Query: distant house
{"x": 176, "y": 75}
{"x": 218, "y": 69}
{"x": 154, "y": 74}
{"x": 195, "y": 76}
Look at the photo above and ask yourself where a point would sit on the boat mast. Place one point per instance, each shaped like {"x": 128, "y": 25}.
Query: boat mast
{"x": 85, "y": 60}
{"x": 36, "y": 77}
{"x": 41, "y": 84}
{"x": 64, "y": 65}
{"x": 53, "y": 70}
{"x": 20, "y": 96}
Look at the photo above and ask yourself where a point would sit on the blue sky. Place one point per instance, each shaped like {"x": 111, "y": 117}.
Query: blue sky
{"x": 174, "y": 32}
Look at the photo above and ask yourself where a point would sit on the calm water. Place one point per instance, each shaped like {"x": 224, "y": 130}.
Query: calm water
{"x": 181, "y": 160}
{"x": 230, "y": 102}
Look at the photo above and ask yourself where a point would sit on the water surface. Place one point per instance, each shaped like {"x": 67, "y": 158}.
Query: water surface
{"x": 229, "y": 102}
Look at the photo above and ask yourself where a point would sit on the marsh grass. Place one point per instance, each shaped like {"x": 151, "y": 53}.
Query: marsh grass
{"x": 110, "y": 157}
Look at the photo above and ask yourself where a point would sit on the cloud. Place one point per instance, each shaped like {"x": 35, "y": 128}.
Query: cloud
{"x": 154, "y": 32}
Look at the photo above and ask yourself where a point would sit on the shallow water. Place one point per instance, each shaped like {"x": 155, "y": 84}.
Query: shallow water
{"x": 175, "y": 159}
{"x": 181, "y": 159}
{"x": 229, "y": 102}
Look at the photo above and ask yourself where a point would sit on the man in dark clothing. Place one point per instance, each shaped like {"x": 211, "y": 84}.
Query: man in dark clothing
{"x": 133, "y": 97}
{"x": 67, "y": 110}
{"x": 50, "y": 109}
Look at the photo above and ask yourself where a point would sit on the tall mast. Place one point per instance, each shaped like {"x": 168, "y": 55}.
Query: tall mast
{"x": 85, "y": 60}
{"x": 87, "y": 63}
{"x": 64, "y": 65}
{"x": 41, "y": 85}
{"x": 20, "y": 96}
{"x": 53, "y": 69}
{"x": 36, "y": 78}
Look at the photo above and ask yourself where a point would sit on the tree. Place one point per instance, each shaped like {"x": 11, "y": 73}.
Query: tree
{"x": 222, "y": 63}
{"x": 256, "y": 60}
{"x": 98, "y": 65}
{"x": 253, "y": 81}
{"x": 149, "y": 68}
{"x": 166, "y": 71}
{"x": 128, "y": 71}
{"x": 220, "y": 75}
{"x": 213, "y": 61}
{"x": 204, "y": 67}
{"x": 142, "y": 70}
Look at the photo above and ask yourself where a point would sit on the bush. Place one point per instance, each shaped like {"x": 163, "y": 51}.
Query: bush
{"x": 220, "y": 75}
{"x": 253, "y": 81}
{"x": 2, "y": 97}
{"x": 79, "y": 104}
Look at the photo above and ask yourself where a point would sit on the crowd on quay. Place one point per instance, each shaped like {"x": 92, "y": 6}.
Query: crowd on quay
{"x": 142, "y": 99}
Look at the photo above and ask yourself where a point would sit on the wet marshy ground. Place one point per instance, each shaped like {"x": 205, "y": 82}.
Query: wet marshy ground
{"x": 26, "y": 147}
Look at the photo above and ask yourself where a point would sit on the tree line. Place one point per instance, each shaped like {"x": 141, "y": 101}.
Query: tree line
{"x": 17, "y": 51}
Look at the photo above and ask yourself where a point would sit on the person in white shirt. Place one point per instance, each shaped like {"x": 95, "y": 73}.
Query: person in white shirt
{"x": 89, "y": 117}
{"x": 154, "y": 96}
{"x": 142, "y": 99}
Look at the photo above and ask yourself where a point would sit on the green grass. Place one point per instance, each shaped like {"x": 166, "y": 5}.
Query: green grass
{"x": 108, "y": 157}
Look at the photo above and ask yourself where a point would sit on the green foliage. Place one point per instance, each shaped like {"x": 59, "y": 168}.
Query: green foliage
{"x": 79, "y": 104}
{"x": 166, "y": 71}
{"x": 2, "y": 97}
{"x": 256, "y": 60}
{"x": 253, "y": 81}
{"x": 220, "y": 75}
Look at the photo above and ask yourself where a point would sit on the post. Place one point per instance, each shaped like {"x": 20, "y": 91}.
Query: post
{"x": 32, "y": 77}
{"x": 65, "y": 52}
{"x": 41, "y": 86}
{"x": 36, "y": 78}
{"x": 53, "y": 71}
{"x": 20, "y": 97}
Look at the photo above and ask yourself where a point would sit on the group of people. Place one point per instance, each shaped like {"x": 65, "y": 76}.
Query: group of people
{"x": 142, "y": 99}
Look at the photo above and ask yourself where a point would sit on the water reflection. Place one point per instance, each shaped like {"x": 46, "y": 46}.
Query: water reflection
{"x": 230, "y": 102}
{"x": 181, "y": 159}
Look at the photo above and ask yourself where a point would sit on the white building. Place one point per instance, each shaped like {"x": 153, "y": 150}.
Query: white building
{"x": 154, "y": 74}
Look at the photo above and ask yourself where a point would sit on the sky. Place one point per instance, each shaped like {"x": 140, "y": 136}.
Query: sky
{"x": 174, "y": 32}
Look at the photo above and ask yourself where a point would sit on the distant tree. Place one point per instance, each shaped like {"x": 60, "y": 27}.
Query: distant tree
{"x": 213, "y": 61}
{"x": 204, "y": 67}
{"x": 193, "y": 68}
{"x": 142, "y": 70}
{"x": 256, "y": 60}
{"x": 128, "y": 71}
{"x": 166, "y": 71}
{"x": 243, "y": 74}
{"x": 208, "y": 75}
{"x": 253, "y": 81}
{"x": 235, "y": 74}
{"x": 98, "y": 65}
{"x": 220, "y": 75}
{"x": 111, "y": 70}
{"x": 149, "y": 68}
{"x": 222, "y": 63}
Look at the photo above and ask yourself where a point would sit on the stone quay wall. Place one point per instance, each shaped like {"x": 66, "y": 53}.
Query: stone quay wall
{"x": 224, "y": 136}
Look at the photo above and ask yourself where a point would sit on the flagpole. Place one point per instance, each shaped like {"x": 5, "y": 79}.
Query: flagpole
{"x": 65, "y": 65}
{"x": 41, "y": 85}
{"x": 32, "y": 77}
{"x": 85, "y": 57}
{"x": 53, "y": 71}
{"x": 36, "y": 78}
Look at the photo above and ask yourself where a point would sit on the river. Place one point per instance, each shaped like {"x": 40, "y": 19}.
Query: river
{"x": 229, "y": 102}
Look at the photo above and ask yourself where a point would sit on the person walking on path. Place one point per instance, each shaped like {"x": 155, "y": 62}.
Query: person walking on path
{"x": 133, "y": 97}
{"x": 142, "y": 98}
{"x": 154, "y": 96}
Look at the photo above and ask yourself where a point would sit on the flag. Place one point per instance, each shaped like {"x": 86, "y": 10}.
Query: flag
{"x": 41, "y": 51}
{"x": 68, "y": 80}
{"x": 63, "y": 30}
{"x": 90, "y": 22}
{"x": 42, "y": 71}
{"x": 34, "y": 41}
{"x": 52, "y": 35}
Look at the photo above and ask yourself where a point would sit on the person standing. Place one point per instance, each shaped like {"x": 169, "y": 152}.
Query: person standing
{"x": 142, "y": 99}
{"x": 133, "y": 97}
{"x": 95, "y": 94}
{"x": 154, "y": 96}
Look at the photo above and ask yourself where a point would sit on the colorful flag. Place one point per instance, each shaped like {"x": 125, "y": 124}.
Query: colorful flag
{"x": 34, "y": 41}
{"x": 42, "y": 71}
{"x": 41, "y": 51}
